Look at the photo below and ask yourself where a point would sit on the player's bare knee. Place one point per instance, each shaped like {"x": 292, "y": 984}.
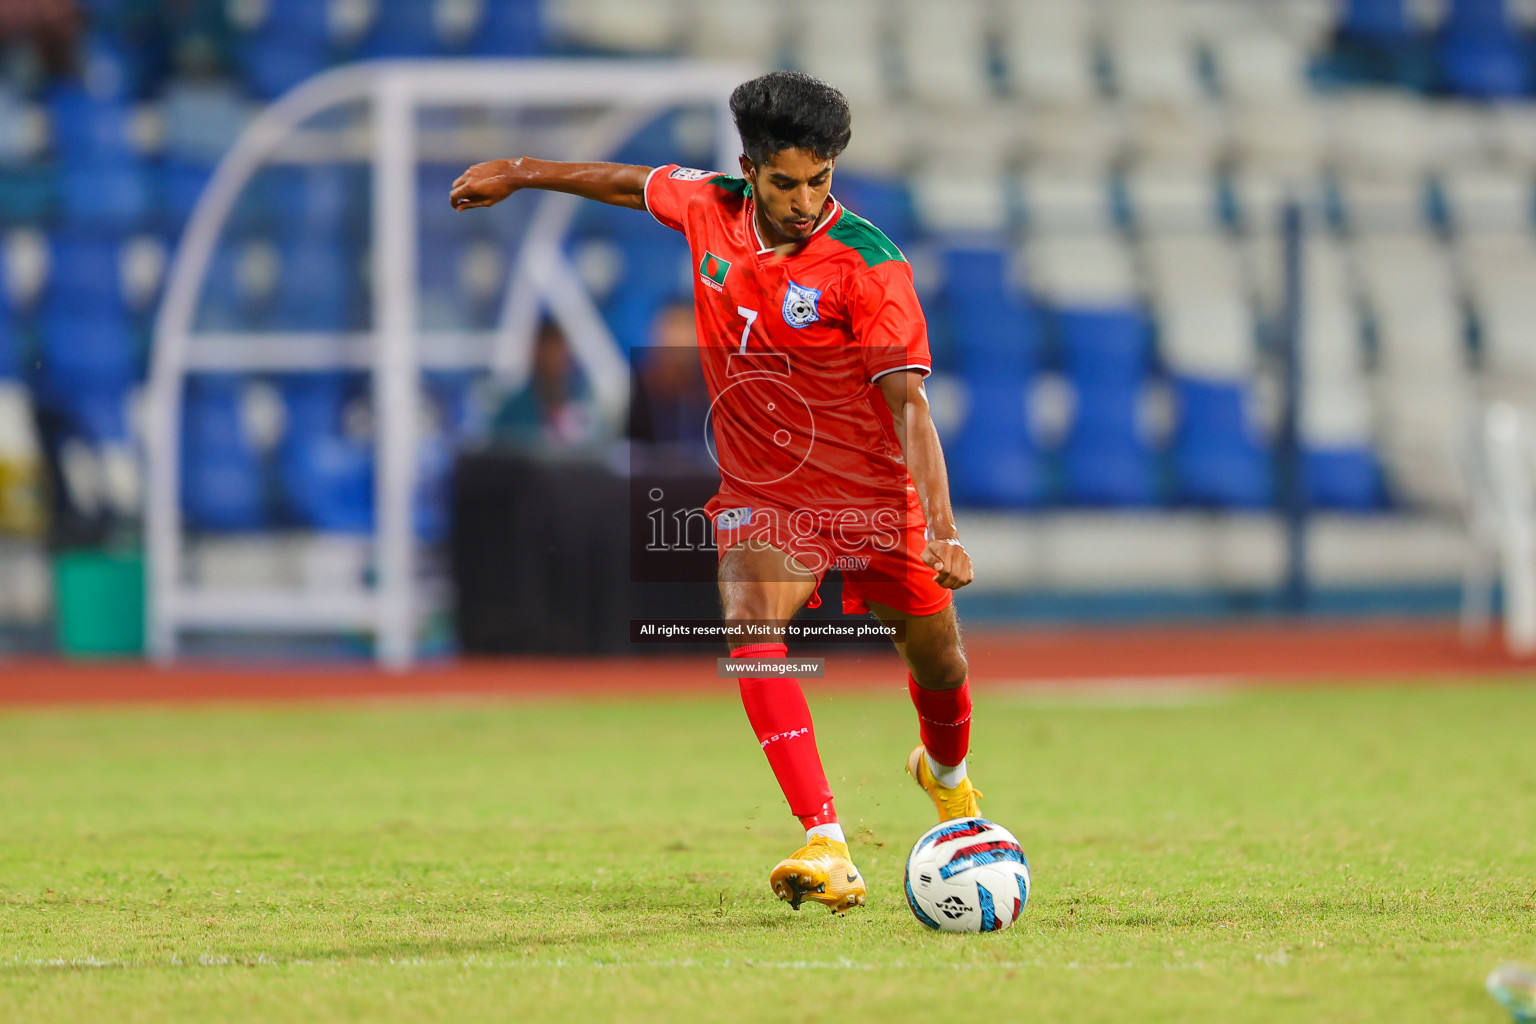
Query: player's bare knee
{"x": 946, "y": 670}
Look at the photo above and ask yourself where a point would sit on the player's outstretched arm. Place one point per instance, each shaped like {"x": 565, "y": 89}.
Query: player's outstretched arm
{"x": 489, "y": 183}
{"x": 908, "y": 402}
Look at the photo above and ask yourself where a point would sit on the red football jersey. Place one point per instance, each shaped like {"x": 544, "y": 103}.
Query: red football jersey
{"x": 791, "y": 347}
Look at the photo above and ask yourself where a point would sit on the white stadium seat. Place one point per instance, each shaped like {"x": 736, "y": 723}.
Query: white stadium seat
{"x": 1089, "y": 136}
{"x": 964, "y": 201}
{"x": 1208, "y": 325}
{"x": 1407, "y": 280}
{"x": 618, "y": 24}
{"x": 716, "y": 31}
{"x": 1280, "y": 139}
{"x": 1489, "y": 199}
{"x": 1189, "y": 135}
{"x": 1500, "y": 270}
{"x": 1261, "y": 68}
{"x": 1514, "y": 134}
{"x": 1153, "y": 52}
{"x": 1336, "y": 412}
{"x": 844, "y": 47}
{"x": 944, "y": 50}
{"x": 1389, "y": 203}
{"x": 1065, "y": 201}
{"x": 1381, "y": 133}
{"x": 1081, "y": 270}
{"x": 1173, "y": 200}
{"x": 1048, "y": 47}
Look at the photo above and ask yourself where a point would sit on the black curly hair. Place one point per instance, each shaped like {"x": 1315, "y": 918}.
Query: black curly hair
{"x": 790, "y": 110}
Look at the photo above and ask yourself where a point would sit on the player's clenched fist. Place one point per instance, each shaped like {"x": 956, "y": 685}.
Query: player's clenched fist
{"x": 483, "y": 185}
{"x": 951, "y": 563}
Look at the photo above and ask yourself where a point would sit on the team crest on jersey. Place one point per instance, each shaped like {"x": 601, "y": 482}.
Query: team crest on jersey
{"x": 691, "y": 174}
{"x": 733, "y": 518}
{"x": 800, "y": 305}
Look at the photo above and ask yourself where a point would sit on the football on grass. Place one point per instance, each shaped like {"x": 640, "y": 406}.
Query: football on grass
{"x": 967, "y": 875}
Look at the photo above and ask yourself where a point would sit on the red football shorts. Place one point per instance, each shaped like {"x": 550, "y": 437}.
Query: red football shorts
{"x": 879, "y": 556}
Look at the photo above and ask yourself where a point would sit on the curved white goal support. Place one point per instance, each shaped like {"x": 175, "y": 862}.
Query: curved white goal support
{"x": 394, "y": 349}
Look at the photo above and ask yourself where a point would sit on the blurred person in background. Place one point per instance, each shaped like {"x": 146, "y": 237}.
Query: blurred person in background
{"x": 669, "y": 403}
{"x": 40, "y": 30}
{"x": 554, "y": 409}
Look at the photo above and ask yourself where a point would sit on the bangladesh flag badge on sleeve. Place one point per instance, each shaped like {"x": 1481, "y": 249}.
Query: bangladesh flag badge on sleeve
{"x": 712, "y": 270}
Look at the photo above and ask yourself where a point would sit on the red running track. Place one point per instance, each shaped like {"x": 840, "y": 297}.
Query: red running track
{"x": 1193, "y": 655}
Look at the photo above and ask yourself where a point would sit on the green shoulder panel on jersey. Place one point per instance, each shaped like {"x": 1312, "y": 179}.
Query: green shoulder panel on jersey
{"x": 736, "y": 186}
{"x": 864, "y": 238}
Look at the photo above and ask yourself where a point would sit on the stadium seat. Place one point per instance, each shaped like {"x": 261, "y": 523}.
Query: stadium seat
{"x": 1486, "y": 67}
{"x": 90, "y": 130}
{"x": 846, "y": 49}
{"x": 23, "y": 129}
{"x": 1261, "y": 69}
{"x": 1283, "y": 139}
{"x": 1347, "y": 479}
{"x": 1382, "y": 133}
{"x": 1089, "y": 271}
{"x": 1488, "y": 199}
{"x": 992, "y": 462}
{"x": 884, "y": 202}
{"x": 88, "y": 361}
{"x": 85, "y": 273}
{"x": 944, "y": 50}
{"x": 1339, "y": 465}
{"x": 10, "y": 346}
{"x": 1049, "y": 51}
{"x": 1218, "y": 460}
{"x": 221, "y": 473}
{"x": 616, "y": 24}
{"x": 995, "y": 329}
{"x": 326, "y": 477}
{"x": 1153, "y": 52}
{"x": 203, "y": 119}
{"x": 424, "y": 28}
{"x": 655, "y": 273}
{"x": 1376, "y": 19}
{"x": 1167, "y": 200}
{"x": 114, "y": 199}
{"x": 1104, "y": 461}
{"x": 1408, "y": 281}
{"x": 511, "y": 28}
{"x": 318, "y": 286}
{"x": 1066, "y": 200}
{"x": 1104, "y": 348}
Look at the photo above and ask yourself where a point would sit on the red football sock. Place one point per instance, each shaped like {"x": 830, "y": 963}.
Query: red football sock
{"x": 943, "y": 720}
{"x": 782, "y": 721}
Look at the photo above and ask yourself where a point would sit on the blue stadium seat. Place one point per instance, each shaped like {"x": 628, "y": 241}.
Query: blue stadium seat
{"x": 1479, "y": 19}
{"x": 318, "y": 199}
{"x": 88, "y": 363}
{"x": 27, "y": 194}
{"x": 181, "y": 183}
{"x": 1343, "y": 478}
{"x": 326, "y": 477}
{"x": 85, "y": 274}
{"x": 318, "y": 288}
{"x": 1104, "y": 461}
{"x": 1376, "y": 19}
{"x": 404, "y": 30}
{"x": 271, "y": 64}
{"x": 10, "y": 346}
{"x": 653, "y": 276}
{"x": 115, "y": 198}
{"x": 89, "y": 129}
{"x": 1104, "y": 347}
{"x": 887, "y": 204}
{"x": 435, "y": 467}
{"x": 992, "y": 461}
{"x": 221, "y": 474}
{"x": 1487, "y": 67}
{"x": 510, "y": 28}
{"x": 1216, "y": 459}
{"x": 995, "y": 329}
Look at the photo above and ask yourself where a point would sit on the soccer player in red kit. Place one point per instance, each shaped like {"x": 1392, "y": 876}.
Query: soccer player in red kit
{"x": 814, "y": 348}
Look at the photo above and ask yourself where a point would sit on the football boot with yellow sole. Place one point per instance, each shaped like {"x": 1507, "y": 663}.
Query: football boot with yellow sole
{"x": 820, "y": 871}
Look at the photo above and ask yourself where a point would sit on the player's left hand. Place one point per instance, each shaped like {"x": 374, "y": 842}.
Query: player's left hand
{"x": 951, "y": 562}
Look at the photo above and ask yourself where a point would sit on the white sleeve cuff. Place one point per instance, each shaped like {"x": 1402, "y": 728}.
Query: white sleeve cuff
{"x": 645, "y": 196}
{"x": 897, "y": 369}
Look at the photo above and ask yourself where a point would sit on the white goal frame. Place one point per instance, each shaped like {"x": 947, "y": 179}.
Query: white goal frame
{"x": 394, "y": 349}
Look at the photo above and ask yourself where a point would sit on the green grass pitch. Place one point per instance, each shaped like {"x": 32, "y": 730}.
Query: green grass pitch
{"x": 1333, "y": 854}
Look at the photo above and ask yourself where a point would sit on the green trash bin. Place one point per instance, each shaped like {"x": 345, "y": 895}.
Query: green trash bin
{"x": 99, "y": 597}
